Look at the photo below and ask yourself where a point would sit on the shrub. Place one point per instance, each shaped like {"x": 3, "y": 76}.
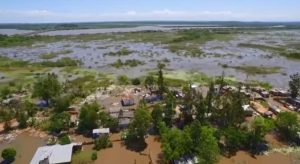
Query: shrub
{"x": 135, "y": 81}
{"x": 64, "y": 140}
{"x": 9, "y": 154}
{"x": 94, "y": 156}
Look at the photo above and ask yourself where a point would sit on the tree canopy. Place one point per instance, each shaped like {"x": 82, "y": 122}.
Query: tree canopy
{"x": 47, "y": 87}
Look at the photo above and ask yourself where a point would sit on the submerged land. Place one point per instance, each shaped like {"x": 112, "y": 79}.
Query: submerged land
{"x": 105, "y": 63}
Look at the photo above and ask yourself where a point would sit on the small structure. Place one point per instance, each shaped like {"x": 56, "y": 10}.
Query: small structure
{"x": 274, "y": 109}
{"x": 127, "y": 101}
{"x": 124, "y": 122}
{"x": 248, "y": 110}
{"x": 43, "y": 104}
{"x": 151, "y": 98}
{"x": 294, "y": 102}
{"x": 55, "y": 154}
{"x": 265, "y": 94}
{"x": 268, "y": 114}
{"x": 279, "y": 92}
{"x": 99, "y": 132}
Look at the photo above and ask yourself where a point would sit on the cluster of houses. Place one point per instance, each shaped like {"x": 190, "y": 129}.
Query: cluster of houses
{"x": 124, "y": 112}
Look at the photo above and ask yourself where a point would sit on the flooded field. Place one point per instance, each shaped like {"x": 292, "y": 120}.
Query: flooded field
{"x": 25, "y": 146}
{"x": 216, "y": 55}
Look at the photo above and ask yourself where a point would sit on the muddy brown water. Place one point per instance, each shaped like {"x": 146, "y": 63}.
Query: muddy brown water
{"x": 119, "y": 154}
{"x": 244, "y": 158}
{"x": 25, "y": 146}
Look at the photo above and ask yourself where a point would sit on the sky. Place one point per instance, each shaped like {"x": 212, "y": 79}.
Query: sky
{"x": 47, "y": 11}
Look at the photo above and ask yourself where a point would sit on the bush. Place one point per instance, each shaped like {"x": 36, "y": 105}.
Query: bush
{"x": 64, "y": 140}
{"x": 135, "y": 81}
{"x": 94, "y": 156}
{"x": 9, "y": 154}
{"x": 102, "y": 143}
{"x": 123, "y": 80}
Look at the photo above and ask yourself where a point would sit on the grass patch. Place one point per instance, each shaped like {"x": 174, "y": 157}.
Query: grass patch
{"x": 63, "y": 62}
{"x": 261, "y": 47}
{"x": 257, "y": 69}
{"x": 265, "y": 85}
{"x": 130, "y": 62}
{"x": 291, "y": 55}
{"x": 82, "y": 157}
{"x": 54, "y": 54}
{"x": 121, "y": 52}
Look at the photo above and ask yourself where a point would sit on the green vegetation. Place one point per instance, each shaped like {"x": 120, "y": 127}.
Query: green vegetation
{"x": 291, "y": 55}
{"x": 54, "y": 54}
{"x": 138, "y": 127}
{"x": 88, "y": 118}
{"x": 94, "y": 156}
{"x": 102, "y": 142}
{"x": 261, "y": 47}
{"x": 81, "y": 157}
{"x": 59, "y": 122}
{"x": 123, "y": 80}
{"x": 129, "y": 62}
{"x": 9, "y": 154}
{"x": 63, "y": 62}
{"x": 64, "y": 140}
{"x": 121, "y": 52}
{"x": 288, "y": 125}
{"x": 47, "y": 87}
{"x": 257, "y": 69}
{"x": 279, "y": 50}
{"x": 294, "y": 85}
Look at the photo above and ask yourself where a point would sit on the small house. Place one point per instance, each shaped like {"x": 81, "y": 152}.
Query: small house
{"x": 265, "y": 94}
{"x": 99, "y": 132}
{"x": 55, "y": 154}
{"x": 151, "y": 98}
{"x": 127, "y": 101}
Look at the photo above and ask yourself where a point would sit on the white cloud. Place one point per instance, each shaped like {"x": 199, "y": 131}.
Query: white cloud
{"x": 27, "y": 16}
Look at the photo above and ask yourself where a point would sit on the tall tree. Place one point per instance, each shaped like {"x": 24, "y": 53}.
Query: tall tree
{"x": 138, "y": 127}
{"x": 157, "y": 115}
{"x": 47, "y": 87}
{"x": 288, "y": 125}
{"x": 204, "y": 143}
{"x": 61, "y": 103}
{"x": 149, "y": 82}
{"x": 60, "y": 122}
{"x": 259, "y": 128}
{"x": 88, "y": 118}
{"x": 169, "y": 112}
{"x": 160, "y": 79}
{"x": 295, "y": 85}
{"x": 175, "y": 144}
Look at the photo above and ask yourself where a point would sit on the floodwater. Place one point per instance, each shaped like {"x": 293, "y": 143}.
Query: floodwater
{"x": 25, "y": 146}
{"x": 119, "y": 154}
{"x": 274, "y": 158}
{"x": 216, "y": 53}
{"x": 14, "y": 32}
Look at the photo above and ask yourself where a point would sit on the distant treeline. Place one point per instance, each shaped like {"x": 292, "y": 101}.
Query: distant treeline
{"x": 91, "y": 25}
